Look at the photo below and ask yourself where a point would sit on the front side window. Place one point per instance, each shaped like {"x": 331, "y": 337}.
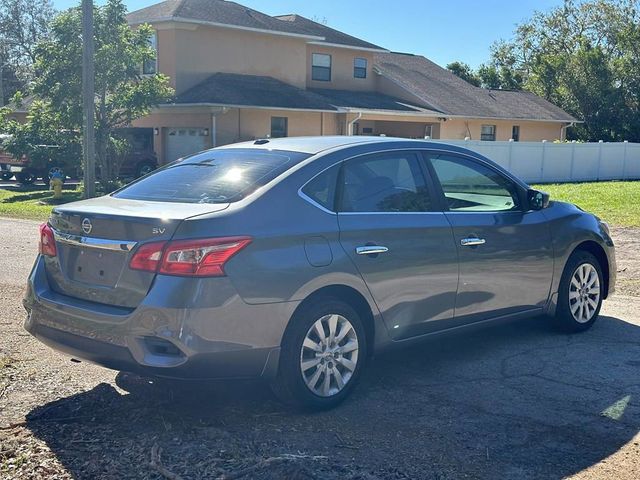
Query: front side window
{"x": 150, "y": 66}
{"x": 383, "y": 183}
{"x": 215, "y": 176}
{"x": 279, "y": 127}
{"x": 321, "y": 67}
{"x": 488, "y": 133}
{"x": 360, "y": 68}
{"x": 472, "y": 187}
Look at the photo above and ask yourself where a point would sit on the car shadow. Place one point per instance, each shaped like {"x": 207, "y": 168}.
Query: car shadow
{"x": 509, "y": 401}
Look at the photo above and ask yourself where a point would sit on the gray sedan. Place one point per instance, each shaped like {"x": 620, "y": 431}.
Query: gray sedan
{"x": 297, "y": 259}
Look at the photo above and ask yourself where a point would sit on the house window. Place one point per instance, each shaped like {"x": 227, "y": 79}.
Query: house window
{"x": 515, "y": 133}
{"x": 360, "y": 68}
{"x": 150, "y": 66}
{"x": 488, "y": 133}
{"x": 321, "y": 67}
{"x": 279, "y": 127}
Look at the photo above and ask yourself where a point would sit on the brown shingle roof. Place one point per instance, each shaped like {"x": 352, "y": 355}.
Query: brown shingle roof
{"x": 252, "y": 90}
{"x": 212, "y": 11}
{"x": 330, "y": 35}
{"x": 355, "y": 100}
{"x": 233, "y": 14}
{"x": 441, "y": 90}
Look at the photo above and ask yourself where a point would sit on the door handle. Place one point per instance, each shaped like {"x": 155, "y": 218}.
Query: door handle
{"x": 472, "y": 241}
{"x": 371, "y": 250}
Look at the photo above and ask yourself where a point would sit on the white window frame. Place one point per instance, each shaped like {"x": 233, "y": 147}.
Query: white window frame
{"x": 357, "y": 68}
{"x": 316, "y": 62}
{"x": 488, "y": 137}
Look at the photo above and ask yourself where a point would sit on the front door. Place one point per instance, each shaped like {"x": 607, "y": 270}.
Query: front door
{"x": 402, "y": 247}
{"x": 506, "y": 257}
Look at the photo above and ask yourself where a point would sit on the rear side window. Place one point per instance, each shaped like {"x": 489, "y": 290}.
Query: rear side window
{"x": 322, "y": 188}
{"x": 384, "y": 183}
{"x": 216, "y": 176}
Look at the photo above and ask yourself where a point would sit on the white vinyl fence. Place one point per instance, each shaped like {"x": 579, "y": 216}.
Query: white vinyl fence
{"x": 544, "y": 162}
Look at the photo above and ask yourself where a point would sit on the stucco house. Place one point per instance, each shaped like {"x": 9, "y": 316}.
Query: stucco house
{"x": 240, "y": 74}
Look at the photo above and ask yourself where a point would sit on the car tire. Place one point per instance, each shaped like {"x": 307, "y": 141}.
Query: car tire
{"x": 6, "y": 176}
{"x": 580, "y": 294}
{"x": 26, "y": 177}
{"x": 334, "y": 367}
{"x": 145, "y": 168}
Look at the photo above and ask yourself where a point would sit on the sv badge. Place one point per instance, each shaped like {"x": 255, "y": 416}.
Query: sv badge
{"x": 158, "y": 231}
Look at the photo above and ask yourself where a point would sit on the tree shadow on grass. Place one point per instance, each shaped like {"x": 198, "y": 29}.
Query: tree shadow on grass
{"x": 510, "y": 401}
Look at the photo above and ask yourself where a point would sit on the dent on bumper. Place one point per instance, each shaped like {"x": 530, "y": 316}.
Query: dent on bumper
{"x": 231, "y": 339}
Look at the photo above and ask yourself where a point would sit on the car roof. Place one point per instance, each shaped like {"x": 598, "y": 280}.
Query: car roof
{"x": 313, "y": 145}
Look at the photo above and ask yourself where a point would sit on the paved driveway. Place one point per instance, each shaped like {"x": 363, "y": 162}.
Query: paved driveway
{"x": 512, "y": 401}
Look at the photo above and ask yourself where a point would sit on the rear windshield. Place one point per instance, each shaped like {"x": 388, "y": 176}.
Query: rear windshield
{"x": 216, "y": 176}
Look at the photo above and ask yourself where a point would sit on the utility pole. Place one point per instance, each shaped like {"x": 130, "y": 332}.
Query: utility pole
{"x": 88, "y": 99}
{"x": 2, "y": 65}
{"x": 1, "y": 84}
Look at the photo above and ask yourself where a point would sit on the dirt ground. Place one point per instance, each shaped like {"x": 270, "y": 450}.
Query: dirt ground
{"x": 511, "y": 401}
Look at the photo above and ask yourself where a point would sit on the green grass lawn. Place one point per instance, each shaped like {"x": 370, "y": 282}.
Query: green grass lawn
{"x": 32, "y": 203}
{"x": 617, "y": 203}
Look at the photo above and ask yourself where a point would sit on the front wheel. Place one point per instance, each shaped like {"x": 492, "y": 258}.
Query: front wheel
{"x": 6, "y": 176}
{"x": 323, "y": 353}
{"x": 581, "y": 292}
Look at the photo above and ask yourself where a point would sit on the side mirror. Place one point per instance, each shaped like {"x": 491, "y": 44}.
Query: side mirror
{"x": 537, "y": 199}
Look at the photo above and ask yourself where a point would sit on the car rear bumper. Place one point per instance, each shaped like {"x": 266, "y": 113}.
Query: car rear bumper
{"x": 229, "y": 339}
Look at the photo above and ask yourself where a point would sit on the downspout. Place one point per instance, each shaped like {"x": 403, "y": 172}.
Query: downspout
{"x": 563, "y": 131}
{"x": 351, "y": 123}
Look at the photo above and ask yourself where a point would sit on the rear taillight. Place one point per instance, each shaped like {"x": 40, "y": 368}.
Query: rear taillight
{"x": 191, "y": 258}
{"x": 47, "y": 244}
{"x": 148, "y": 257}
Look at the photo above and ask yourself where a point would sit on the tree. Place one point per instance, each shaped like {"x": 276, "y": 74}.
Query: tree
{"x": 465, "y": 72}
{"x": 487, "y": 76}
{"x": 584, "y": 56}
{"x": 123, "y": 94}
{"x": 23, "y": 23}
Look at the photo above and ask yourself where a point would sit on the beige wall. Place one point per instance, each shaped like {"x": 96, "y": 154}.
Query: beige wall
{"x": 247, "y": 124}
{"x": 458, "y": 129}
{"x": 190, "y": 54}
{"x": 341, "y": 69}
{"x": 235, "y": 125}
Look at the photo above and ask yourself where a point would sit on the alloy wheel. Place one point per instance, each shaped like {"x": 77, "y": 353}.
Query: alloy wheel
{"x": 584, "y": 293}
{"x": 329, "y": 355}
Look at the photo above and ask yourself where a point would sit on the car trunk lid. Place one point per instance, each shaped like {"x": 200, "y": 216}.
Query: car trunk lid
{"x": 96, "y": 239}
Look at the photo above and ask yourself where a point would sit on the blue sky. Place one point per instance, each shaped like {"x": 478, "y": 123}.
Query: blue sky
{"x": 442, "y": 31}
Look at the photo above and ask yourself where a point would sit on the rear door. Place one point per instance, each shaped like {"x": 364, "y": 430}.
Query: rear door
{"x": 506, "y": 259}
{"x": 402, "y": 246}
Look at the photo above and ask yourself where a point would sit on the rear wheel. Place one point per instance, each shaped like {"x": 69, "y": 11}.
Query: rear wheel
{"x": 323, "y": 353}
{"x": 6, "y": 176}
{"x": 581, "y": 292}
{"x": 26, "y": 177}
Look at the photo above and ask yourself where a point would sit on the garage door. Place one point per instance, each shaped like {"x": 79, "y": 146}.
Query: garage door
{"x": 185, "y": 141}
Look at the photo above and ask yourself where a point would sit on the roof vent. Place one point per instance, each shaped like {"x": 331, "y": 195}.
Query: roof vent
{"x": 261, "y": 141}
